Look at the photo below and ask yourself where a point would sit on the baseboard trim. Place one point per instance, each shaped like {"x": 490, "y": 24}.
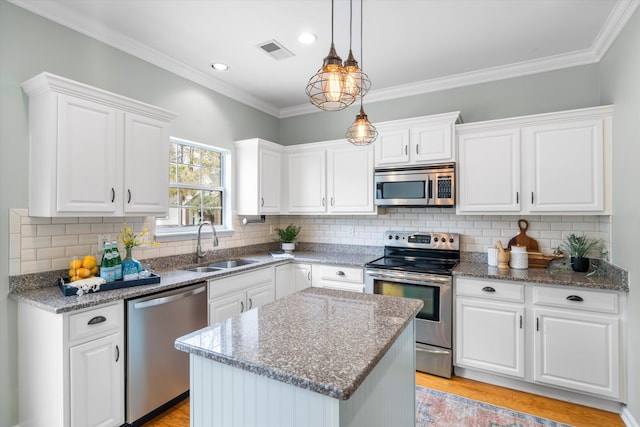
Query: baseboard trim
{"x": 628, "y": 418}
{"x": 564, "y": 395}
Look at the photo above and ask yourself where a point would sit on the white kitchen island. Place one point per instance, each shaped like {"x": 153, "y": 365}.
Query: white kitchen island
{"x": 318, "y": 357}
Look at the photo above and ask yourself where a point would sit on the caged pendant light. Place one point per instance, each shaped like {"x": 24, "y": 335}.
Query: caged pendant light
{"x": 357, "y": 83}
{"x": 361, "y": 131}
{"x": 326, "y": 89}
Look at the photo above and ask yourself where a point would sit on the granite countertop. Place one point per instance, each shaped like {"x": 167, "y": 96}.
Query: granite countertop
{"x": 549, "y": 275}
{"x": 50, "y": 298}
{"x": 327, "y": 341}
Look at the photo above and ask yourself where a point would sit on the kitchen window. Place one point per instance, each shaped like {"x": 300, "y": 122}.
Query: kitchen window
{"x": 198, "y": 189}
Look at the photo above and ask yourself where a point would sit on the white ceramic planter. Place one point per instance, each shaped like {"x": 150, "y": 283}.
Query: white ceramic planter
{"x": 288, "y": 247}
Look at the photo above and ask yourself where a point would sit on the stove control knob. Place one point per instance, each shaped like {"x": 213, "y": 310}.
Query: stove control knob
{"x": 435, "y": 239}
{"x": 450, "y": 239}
{"x": 397, "y": 237}
{"x": 390, "y": 237}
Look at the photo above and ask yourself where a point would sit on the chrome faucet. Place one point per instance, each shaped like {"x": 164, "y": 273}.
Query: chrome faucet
{"x": 199, "y": 253}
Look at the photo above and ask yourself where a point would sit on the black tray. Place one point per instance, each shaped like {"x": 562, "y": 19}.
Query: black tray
{"x": 69, "y": 290}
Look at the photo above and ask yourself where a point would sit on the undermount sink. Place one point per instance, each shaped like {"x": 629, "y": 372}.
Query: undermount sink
{"x": 206, "y": 269}
{"x": 231, "y": 263}
{"x": 221, "y": 265}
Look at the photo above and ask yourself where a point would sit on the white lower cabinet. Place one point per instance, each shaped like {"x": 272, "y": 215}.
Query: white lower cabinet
{"x": 337, "y": 277}
{"x": 233, "y": 295}
{"x": 577, "y": 348}
{"x": 292, "y": 277}
{"x": 564, "y": 337}
{"x": 71, "y": 369}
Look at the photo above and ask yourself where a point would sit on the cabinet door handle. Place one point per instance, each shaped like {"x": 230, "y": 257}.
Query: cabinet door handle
{"x": 406, "y": 150}
{"x": 128, "y": 196}
{"x": 250, "y": 304}
{"x": 241, "y": 307}
{"x": 117, "y": 353}
{"x": 262, "y": 201}
{"x": 537, "y": 324}
{"x": 417, "y": 151}
{"x": 113, "y": 195}
{"x": 96, "y": 320}
{"x": 332, "y": 201}
{"x": 488, "y": 289}
{"x": 517, "y": 197}
{"x": 521, "y": 321}
{"x": 577, "y": 298}
{"x": 309, "y": 275}
{"x": 323, "y": 202}
{"x": 340, "y": 273}
{"x": 532, "y": 197}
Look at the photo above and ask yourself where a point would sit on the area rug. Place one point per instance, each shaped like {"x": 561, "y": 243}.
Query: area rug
{"x": 437, "y": 409}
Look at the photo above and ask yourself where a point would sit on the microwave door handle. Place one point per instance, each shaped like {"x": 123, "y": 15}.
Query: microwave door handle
{"x": 430, "y": 190}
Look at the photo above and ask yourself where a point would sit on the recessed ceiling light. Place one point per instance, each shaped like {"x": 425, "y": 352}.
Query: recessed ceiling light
{"x": 219, "y": 66}
{"x": 307, "y": 38}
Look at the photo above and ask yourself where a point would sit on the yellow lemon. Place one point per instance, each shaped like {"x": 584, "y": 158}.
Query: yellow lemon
{"x": 75, "y": 264}
{"x": 89, "y": 262}
{"x": 94, "y": 270}
{"x": 74, "y": 278}
{"x": 83, "y": 272}
{"x": 72, "y": 272}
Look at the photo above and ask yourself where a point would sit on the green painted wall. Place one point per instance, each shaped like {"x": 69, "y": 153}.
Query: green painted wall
{"x": 539, "y": 93}
{"x": 620, "y": 82}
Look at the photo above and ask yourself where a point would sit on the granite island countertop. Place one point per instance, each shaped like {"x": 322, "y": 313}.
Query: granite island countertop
{"x": 552, "y": 276}
{"x": 324, "y": 340}
{"x": 50, "y": 298}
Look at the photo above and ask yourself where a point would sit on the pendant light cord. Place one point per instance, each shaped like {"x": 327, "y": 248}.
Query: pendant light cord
{"x": 331, "y": 22}
{"x": 350, "y": 23}
{"x": 361, "y": 57}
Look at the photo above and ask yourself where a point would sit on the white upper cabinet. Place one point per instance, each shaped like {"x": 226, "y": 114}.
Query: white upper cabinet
{"x": 415, "y": 141}
{"x": 94, "y": 153}
{"x": 332, "y": 177}
{"x": 556, "y": 163}
{"x": 259, "y": 177}
{"x": 307, "y": 179}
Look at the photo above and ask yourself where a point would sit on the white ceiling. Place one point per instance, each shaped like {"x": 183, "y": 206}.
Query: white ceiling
{"x": 410, "y": 46}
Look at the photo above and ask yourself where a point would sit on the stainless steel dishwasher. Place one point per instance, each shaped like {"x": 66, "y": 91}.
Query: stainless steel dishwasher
{"x": 157, "y": 373}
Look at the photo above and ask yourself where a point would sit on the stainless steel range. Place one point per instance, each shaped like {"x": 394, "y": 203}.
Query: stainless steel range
{"x": 419, "y": 265}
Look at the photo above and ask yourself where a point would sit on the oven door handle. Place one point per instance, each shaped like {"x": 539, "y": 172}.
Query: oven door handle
{"x": 410, "y": 278}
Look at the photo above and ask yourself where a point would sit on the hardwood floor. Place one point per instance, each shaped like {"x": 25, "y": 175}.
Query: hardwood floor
{"x": 568, "y": 413}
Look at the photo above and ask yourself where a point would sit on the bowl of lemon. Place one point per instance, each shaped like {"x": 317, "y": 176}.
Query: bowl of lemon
{"x": 82, "y": 268}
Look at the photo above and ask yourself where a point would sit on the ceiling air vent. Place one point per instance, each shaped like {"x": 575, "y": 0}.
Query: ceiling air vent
{"x": 275, "y": 50}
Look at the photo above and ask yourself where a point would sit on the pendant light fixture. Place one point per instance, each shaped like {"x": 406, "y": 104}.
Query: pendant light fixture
{"x": 361, "y": 131}
{"x": 357, "y": 83}
{"x": 326, "y": 89}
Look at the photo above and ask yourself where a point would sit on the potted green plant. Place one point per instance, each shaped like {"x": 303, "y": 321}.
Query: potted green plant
{"x": 578, "y": 247}
{"x": 288, "y": 236}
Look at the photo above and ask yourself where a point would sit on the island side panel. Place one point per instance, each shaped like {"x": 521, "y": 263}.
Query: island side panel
{"x": 225, "y": 396}
{"x": 222, "y": 395}
{"x": 387, "y": 397}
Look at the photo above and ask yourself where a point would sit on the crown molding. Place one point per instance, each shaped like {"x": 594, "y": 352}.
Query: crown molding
{"x": 96, "y": 30}
{"x": 607, "y": 35}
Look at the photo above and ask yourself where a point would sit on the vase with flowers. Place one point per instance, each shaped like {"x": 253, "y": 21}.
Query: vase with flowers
{"x": 130, "y": 239}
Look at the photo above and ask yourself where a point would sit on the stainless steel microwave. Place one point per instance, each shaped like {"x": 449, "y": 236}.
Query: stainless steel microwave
{"x": 429, "y": 185}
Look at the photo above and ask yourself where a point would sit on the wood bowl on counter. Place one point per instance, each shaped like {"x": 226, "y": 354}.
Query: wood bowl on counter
{"x": 539, "y": 260}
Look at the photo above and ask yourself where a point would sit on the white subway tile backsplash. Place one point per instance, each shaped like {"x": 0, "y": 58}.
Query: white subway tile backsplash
{"x": 78, "y": 229}
{"x": 49, "y": 253}
{"x": 51, "y": 230}
{"x": 36, "y": 242}
{"x": 102, "y": 228}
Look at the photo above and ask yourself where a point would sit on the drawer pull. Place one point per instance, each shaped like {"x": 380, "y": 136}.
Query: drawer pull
{"x": 488, "y": 289}
{"x": 250, "y": 304}
{"x": 117, "y": 353}
{"x": 340, "y": 273}
{"x": 129, "y": 196}
{"x": 96, "y": 320}
{"x": 575, "y": 298}
{"x": 241, "y": 307}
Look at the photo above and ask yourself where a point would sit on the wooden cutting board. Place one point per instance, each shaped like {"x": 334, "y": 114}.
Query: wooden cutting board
{"x": 522, "y": 239}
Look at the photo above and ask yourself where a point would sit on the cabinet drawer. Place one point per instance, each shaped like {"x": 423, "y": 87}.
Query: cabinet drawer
{"x": 336, "y": 273}
{"x": 578, "y": 299}
{"x": 239, "y": 281}
{"x": 95, "y": 322}
{"x": 490, "y": 289}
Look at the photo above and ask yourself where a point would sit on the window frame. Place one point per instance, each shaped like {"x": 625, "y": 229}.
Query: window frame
{"x": 173, "y": 233}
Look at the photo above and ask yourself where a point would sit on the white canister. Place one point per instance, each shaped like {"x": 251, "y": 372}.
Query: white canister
{"x": 519, "y": 257}
{"x": 492, "y": 256}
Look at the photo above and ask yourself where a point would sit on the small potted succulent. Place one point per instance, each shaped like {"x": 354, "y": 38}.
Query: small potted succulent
{"x": 288, "y": 236}
{"x": 578, "y": 247}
